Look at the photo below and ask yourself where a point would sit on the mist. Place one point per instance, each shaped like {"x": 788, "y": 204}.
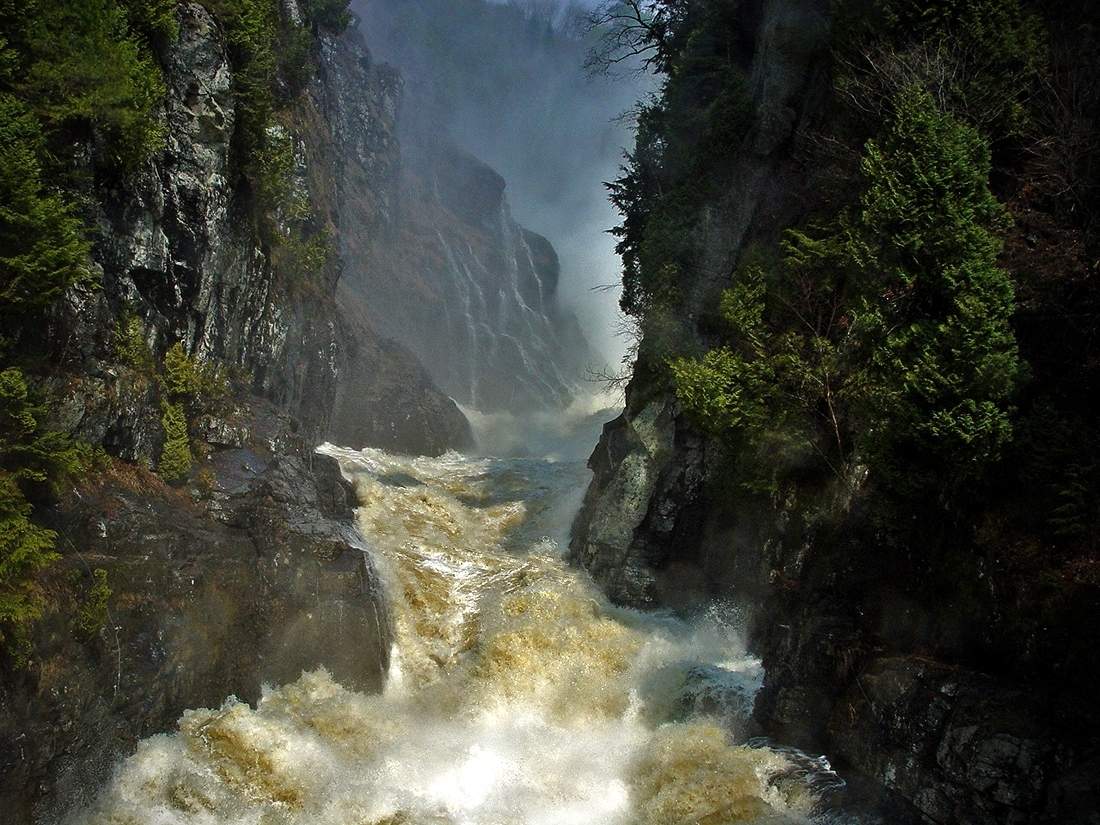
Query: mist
{"x": 506, "y": 82}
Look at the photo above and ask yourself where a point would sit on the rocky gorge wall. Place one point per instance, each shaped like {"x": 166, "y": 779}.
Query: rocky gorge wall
{"x": 952, "y": 706}
{"x": 250, "y": 570}
{"x": 455, "y": 279}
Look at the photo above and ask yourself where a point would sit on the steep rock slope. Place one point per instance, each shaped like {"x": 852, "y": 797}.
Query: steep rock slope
{"x": 249, "y": 570}
{"x": 455, "y": 279}
{"x": 939, "y": 672}
{"x": 384, "y": 396}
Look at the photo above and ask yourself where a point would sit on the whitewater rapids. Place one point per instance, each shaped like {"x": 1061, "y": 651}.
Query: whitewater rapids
{"x": 517, "y": 695}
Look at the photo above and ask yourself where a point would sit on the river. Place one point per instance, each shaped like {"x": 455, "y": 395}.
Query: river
{"x": 517, "y": 694}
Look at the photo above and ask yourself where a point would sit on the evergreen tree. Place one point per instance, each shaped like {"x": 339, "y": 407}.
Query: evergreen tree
{"x": 43, "y": 249}
{"x": 933, "y": 320}
{"x": 175, "y": 456}
{"x": 31, "y": 457}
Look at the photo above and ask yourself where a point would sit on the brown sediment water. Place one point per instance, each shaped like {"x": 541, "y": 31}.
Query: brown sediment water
{"x": 517, "y": 695}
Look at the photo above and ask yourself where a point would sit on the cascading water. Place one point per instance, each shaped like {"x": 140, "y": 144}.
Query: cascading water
{"x": 517, "y": 694}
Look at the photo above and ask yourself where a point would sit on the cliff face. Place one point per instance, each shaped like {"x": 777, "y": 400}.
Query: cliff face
{"x": 644, "y": 504}
{"x": 252, "y": 569}
{"x": 928, "y": 672}
{"x": 384, "y": 396}
{"x": 457, "y": 281}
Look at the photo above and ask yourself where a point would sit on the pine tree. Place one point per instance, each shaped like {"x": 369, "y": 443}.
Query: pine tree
{"x": 43, "y": 248}
{"x": 933, "y": 322}
{"x": 175, "y": 456}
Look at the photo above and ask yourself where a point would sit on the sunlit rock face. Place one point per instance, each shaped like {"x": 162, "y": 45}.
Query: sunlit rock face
{"x": 176, "y": 248}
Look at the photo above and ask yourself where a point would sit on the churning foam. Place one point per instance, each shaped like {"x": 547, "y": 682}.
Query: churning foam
{"x": 518, "y": 695}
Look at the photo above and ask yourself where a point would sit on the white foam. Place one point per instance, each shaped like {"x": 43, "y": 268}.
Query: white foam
{"x": 516, "y": 694}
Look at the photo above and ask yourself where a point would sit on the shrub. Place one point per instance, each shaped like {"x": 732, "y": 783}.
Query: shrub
{"x": 271, "y": 171}
{"x": 252, "y": 28}
{"x": 198, "y": 386}
{"x": 181, "y": 379}
{"x": 154, "y": 19}
{"x": 92, "y": 613}
{"x": 769, "y": 393}
{"x": 25, "y": 549}
{"x": 329, "y": 14}
{"x": 29, "y": 452}
{"x": 175, "y": 457}
{"x": 32, "y": 458}
{"x": 131, "y": 348}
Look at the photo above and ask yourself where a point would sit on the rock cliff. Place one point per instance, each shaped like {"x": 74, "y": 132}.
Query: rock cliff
{"x": 455, "y": 279}
{"x": 261, "y": 577}
{"x": 928, "y": 673}
{"x": 251, "y": 570}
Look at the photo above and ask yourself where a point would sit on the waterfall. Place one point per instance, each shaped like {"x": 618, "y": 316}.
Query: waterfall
{"x": 517, "y": 695}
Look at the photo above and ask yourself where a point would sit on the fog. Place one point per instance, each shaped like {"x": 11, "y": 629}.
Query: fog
{"x": 506, "y": 81}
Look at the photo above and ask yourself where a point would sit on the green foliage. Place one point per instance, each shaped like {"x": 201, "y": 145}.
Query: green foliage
{"x": 295, "y": 53}
{"x": 25, "y": 550}
{"x": 273, "y": 63}
{"x": 93, "y": 612}
{"x": 29, "y": 452}
{"x": 188, "y": 386}
{"x": 271, "y": 171}
{"x": 301, "y": 256}
{"x": 934, "y": 315}
{"x": 154, "y": 19}
{"x": 330, "y": 14}
{"x": 81, "y": 68}
{"x": 770, "y": 392}
{"x": 893, "y": 322}
{"x": 200, "y": 386}
{"x": 43, "y": 248}
{"x": 252, "y": 28}
{"x": 32, "y": 459}
{"x": 131, "y": 348}
{"x": 682, "y": 154}
{"x": 175, "y": 457}
{"x": 181, "y": 375}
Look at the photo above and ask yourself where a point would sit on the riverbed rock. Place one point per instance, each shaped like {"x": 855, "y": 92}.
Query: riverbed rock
{"x": 249, "y": 578}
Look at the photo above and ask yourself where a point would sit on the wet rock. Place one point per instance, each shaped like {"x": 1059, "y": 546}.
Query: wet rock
{"x": 958, "y": 745}
{"x": 898, "y": 663}
{"x": 209, "y": 599}
{"x": 627, "y": 464}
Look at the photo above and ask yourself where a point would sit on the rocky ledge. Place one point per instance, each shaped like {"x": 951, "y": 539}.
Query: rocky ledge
{"x": 252, "y": 574}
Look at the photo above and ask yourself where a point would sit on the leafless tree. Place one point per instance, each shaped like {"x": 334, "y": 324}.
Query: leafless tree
{"x": 1065, "y": 144}
{"x": 948, "y": 68}
{"x": 631, "y": 35}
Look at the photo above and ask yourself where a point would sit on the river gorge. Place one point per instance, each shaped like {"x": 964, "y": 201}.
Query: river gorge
{"x": 538, "y": 412}
{"x": 516, "y": 692}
